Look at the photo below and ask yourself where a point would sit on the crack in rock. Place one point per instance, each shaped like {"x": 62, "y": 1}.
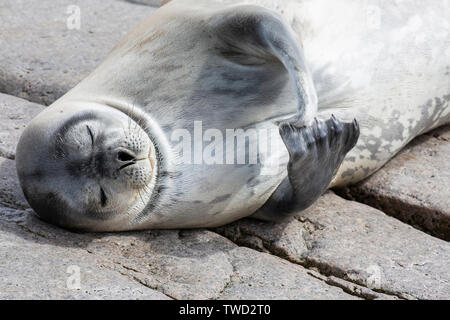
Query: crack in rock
{"x": 331, "y": 276}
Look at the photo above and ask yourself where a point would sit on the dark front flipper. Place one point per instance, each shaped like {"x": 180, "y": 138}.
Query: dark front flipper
{"x": 315, "y": 154}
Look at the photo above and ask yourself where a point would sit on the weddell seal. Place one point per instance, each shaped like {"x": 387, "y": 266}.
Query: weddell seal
{"x": 153, "y": 137}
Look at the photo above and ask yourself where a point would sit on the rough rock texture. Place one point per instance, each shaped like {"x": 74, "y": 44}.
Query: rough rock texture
{"x": 32, "y": 269}
{"x": 414, "y": 186}
{"x": 14, "y": 115}
{"x": 43, "y": 54}
{"x": 356, "y": 243}
{"x": 190, "y": 264}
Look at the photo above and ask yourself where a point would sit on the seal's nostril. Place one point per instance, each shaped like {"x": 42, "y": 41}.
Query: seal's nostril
{"x": 125, "y": 156}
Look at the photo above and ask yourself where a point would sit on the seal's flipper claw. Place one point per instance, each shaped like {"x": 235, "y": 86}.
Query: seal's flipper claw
{"x": 315, "y": 154}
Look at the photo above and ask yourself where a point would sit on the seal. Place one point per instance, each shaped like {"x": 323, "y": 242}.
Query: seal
{"x": 139, "y": 143}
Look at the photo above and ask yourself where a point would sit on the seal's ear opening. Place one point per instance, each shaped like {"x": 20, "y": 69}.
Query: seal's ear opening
{"x": 264, "y": 33}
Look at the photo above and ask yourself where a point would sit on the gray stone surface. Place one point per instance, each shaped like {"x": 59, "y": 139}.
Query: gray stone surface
{"x": 31, "y": 269}
{"x": 41, "y": 58}
{"x": 14, "y": 115}
{"x": 11, "y": 195}
{"x": 346, "y": 240}
{"x": 414, "y": 186}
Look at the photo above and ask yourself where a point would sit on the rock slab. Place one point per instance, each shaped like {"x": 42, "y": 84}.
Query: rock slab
{"x": 47, "y": 47}
{"x": 349, "y": 241}
{"x": 414, "y": 186}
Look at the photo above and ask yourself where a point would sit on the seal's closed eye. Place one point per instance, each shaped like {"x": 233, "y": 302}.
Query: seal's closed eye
{"x": 90, "y": 134}
{"x": 103, "y": 197}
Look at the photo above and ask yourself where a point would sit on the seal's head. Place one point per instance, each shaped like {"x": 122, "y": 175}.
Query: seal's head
{"x": 86, "y": 168}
